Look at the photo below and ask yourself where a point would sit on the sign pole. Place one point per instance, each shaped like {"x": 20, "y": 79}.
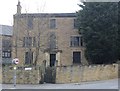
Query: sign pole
{"x": 15, "y": 62}
{"x": 14, "y": 76}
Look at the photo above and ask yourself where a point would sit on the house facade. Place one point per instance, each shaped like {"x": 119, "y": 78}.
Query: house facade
{"x": 50, "y": 38}
{"x": 6, "y": 43}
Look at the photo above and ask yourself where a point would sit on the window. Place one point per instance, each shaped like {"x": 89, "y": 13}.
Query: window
{"x": 27, "y": 41}
{"x": 34, "y": 41}
{"x": 6, "y": 54}
{"x": 76, "y": 57}
{"x": 29, "y": 57}
{"x": 6, "y": 44}
{"x": 52, "y": 40}
{"x": 30, "y": 23}
{"x": 75, "y": 24}
{"x": 52, "y": 23}
{"x": 76, "y": 41}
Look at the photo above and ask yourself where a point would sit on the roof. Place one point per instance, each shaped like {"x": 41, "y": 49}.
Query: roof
{"x": 46, "y": 14}
{"x": 6, "y": 30}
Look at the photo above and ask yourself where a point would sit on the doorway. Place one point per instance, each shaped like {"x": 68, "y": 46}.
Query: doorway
{"x": 52, "y": 60}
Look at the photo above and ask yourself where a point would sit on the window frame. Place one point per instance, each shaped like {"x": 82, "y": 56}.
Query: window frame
{"x": 27, "y": 60}
{"x": 30, "y": 22}
{"x": 76, "y": 43}
{"x": 75, "y": 25}
{"x": 27, "y": 41}
{"x": 74, "y": 60}
{"x": 34, "y": 41}
{"x": 5, "y": 54}
{"x": 52, "y": 24}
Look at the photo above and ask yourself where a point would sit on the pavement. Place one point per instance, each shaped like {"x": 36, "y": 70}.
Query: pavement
{"x": 106, "y": 84}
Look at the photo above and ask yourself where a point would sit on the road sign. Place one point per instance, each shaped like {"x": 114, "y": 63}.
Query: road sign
{"x": 15, "y": 61}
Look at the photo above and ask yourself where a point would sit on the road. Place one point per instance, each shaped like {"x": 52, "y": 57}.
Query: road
{"x": 107, "y": 84}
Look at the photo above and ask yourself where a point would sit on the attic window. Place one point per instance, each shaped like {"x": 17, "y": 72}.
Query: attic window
{"x": 30, "y": 23}
{"x": 52, "y": 23}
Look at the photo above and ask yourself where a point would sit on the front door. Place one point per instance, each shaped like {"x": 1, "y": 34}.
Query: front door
{"x": 52, "y": 59}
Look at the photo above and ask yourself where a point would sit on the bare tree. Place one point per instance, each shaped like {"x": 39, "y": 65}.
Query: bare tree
{"x": 42, "y": 22}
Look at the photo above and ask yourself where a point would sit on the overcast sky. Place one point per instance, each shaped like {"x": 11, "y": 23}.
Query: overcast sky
{"x": 8, "y": 8}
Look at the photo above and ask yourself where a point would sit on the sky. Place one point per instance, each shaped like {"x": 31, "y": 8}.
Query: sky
{"x": 8, "y": 8}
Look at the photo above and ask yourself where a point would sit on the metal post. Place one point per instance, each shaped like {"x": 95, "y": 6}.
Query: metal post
{"x": 14, "y": 76}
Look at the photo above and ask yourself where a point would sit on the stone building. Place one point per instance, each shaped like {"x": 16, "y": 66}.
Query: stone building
{"x": 6, "y": 43}
{"x": 52, "y": 38}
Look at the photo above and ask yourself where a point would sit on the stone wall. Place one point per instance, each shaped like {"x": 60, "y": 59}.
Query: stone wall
{"x": 64, "y": 74}
{"x": 22, "y": 76}
{"x": 76, "y": 74}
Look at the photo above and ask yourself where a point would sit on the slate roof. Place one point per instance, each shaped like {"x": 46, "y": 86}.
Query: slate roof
{"x": 46, "y": 14}
{"x": 6, "y": 30}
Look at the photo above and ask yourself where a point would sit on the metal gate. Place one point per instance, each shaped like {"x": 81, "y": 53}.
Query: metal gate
{"x": 50, "y": 75}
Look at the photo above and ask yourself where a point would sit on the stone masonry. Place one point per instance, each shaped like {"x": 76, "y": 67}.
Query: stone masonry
{"x": 64, "y": 74}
